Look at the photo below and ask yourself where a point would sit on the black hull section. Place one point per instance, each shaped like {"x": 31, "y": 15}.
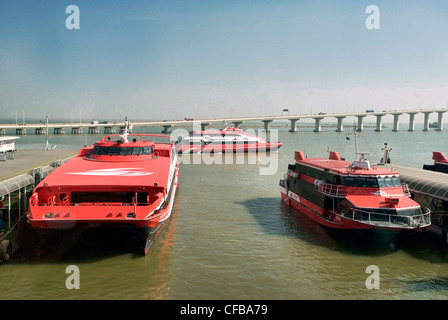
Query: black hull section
{"x": 438, "y": 167}
{"x": 309, "y": 192}
{"x": 89, "y": 243}
{"x": 142, "y": 239}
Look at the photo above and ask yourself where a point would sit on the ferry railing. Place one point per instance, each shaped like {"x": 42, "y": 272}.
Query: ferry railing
{"x": 406, "y": 191}
{"x": 341, "y": 191}
{"x": 390, "y": 220}
{"x": 332, "y": 190}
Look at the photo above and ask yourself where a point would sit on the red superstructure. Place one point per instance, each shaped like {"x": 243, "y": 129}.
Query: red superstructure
{"x": 125, "y": 180}
{"x": 351, "y": 195}
{"x": 439, "y": 157}
{"x": 440, "y": 163}
{"x": 229, "y": 139}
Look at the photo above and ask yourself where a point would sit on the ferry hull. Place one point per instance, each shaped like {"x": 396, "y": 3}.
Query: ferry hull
{"x": 143, "y": 231}
{"x": 334, "y": 221}
{"x": 57, "y": 242}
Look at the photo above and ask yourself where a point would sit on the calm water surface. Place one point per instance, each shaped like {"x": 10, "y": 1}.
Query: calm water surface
{"x": 230, "y": 237}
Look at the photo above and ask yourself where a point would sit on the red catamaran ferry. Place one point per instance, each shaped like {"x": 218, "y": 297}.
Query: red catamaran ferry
{"x": 124, "y": 180}
{"x": 351, "y": 195}
{"x": 229, "y": 139}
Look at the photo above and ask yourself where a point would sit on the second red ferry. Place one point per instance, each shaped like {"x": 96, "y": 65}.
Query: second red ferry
{"x": 351, "y": 195}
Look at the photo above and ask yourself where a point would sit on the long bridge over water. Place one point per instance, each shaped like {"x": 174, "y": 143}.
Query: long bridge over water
{"x": 112, "y": 126}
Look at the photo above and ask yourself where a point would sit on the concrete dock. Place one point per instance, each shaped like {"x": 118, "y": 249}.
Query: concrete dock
{"x": 18, "y": 176}
{"x": 28, "y": 159}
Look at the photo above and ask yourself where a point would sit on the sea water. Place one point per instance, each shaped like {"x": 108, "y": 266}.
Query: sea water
{"x": 231, "y": 237}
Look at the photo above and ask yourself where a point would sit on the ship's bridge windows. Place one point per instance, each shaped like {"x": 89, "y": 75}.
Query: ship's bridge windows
{"x": 373, "y": 182}
{"x": 122, "y": 151}
{"x": 360, "y": 182}
{"x": 349, "y": 182}
{"x": 389, "y": 182}
{"x": 410, "y": 211}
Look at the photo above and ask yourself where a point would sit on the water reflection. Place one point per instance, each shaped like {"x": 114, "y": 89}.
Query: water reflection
{"x": 109, "y": 268}
{"x": 276, "y": 217}
{"x": 84, "y": 245}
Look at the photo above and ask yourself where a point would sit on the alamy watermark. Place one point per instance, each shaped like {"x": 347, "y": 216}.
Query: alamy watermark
{"x": 203, "y": 153}
{"x": 73, "y": 280}
{"x": 73, "y": 20}
{"x": 373, "y": 280}
{"x": 373, "y": 20}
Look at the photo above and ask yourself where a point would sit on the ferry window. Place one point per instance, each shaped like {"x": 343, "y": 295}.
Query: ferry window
{"x": 360, "y": 182}
{"x": 99, "y": 150}
{"x": 122, "y": 150}
{"x": 349, "y": 182}
{"x": 136, "y": 151}
{"x": 372, "y": 182}
{"x": 381, "y": 182}
{"x": 141, "y": 150}
{"x": 411, "y": 212}
{"x": 396, "y": 181}
{"x": 125, "y": 151}
{"x": 113, "y": 151}
{"x": 389, "y": 182}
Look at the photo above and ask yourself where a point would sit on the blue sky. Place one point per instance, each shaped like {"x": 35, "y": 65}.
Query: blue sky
{"x": 175, "y": 59}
